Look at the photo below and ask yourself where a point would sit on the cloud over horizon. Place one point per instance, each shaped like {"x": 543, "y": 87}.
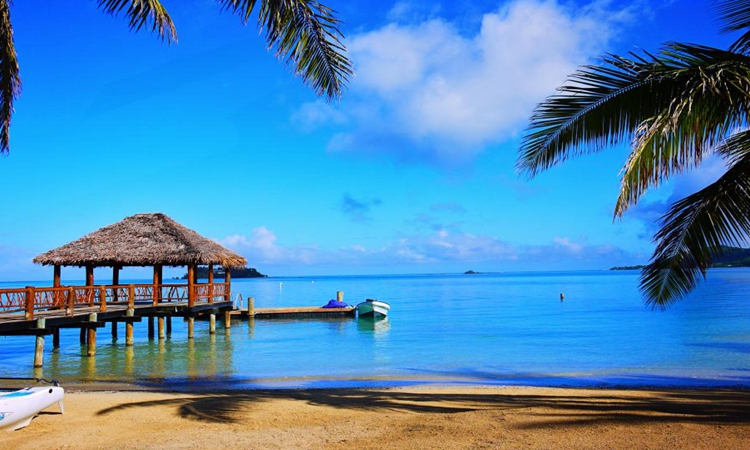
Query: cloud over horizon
{"x": 427, "y": 91}
{"x": 435, "y": 251}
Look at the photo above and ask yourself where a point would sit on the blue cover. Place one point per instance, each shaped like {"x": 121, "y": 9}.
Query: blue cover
{"x": 335, "y": 304}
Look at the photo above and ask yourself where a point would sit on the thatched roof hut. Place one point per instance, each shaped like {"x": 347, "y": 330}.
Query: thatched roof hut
{"x": 142, "y": 240}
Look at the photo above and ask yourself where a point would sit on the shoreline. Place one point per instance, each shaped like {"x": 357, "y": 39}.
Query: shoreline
{"x": 444, "y": 417}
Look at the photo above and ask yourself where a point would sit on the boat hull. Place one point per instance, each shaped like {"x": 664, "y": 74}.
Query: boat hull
{"x": 17, "y": 408}
{"x": 373, "y": 308}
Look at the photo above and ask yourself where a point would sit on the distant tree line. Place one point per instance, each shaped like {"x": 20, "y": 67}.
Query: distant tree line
{"x": 239, "y": 272}
{"x": 729, "y": 257}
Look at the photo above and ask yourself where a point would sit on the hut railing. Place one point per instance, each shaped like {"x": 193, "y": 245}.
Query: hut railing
{"x": 31, "y": 300}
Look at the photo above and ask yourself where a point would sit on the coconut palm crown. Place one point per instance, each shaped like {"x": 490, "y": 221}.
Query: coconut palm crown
{"x": 675, "y": 108}
{"x": 303, "y": 33}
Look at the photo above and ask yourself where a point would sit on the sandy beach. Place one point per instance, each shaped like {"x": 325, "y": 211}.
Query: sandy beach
{"x": 402, "y": 418}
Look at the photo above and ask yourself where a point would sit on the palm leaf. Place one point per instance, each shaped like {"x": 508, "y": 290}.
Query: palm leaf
{"x": 736, "y": 17}
{"x": 710, "y": 91}
{"x": 305, "y": 34}
{"x": 696, "y": 229}
{"x": 10, "y": 82}
{"x": 142, "y": 13}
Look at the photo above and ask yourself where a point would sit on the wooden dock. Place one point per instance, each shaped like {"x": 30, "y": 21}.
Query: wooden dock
{"x": 43, "y": 311}
{"x": 301, "y": 312}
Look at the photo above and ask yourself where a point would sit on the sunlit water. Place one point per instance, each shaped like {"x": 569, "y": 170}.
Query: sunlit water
{"x": 499, "y": 329}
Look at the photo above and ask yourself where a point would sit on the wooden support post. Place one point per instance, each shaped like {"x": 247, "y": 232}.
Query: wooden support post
{"x": 228, "y": 281}
{"x": 102, "y": 299}
{"x": 56, "y": 339}
{"x": 210, "y": 283}
{"x": 157, "y": 284}
{"x": 56, "y": 276}
{"x": 191, "y": 285}
{"x": 89, "y": 275}
{"x": 160, "y": 321}
{"x": 227, "y": 319}
{"x": 169, "y": 326}
{"x": 39, "y": 350}
{"x": 150, "y": 327}
{"x": 30, "y": 299}
{"x": 129, "y": 328}
{"x": 191, "y": 327}
{"x": 115, "y": 282}
{"x": 129, "y": 334}
{"x": 250, "y": 306}
{"x": 212, "y": 323}
{"x": 71, "y": 300}
{"x": 339, "y": 296}
{"x": 131, "y": 296}
{"x": 82, "y": 337}
{"x": 114, "y": 331}
{"x": 91, "y": 341}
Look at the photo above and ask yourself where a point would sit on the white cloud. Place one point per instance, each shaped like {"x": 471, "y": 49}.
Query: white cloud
{"x": 428, "y": 91}
{"x": 433, "y": 252}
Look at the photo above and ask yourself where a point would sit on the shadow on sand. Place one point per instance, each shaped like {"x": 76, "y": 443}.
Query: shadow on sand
{"x": 563, "y": 408}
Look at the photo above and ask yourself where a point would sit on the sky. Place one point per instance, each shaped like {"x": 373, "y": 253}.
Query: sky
{"x": 411, "y": 171}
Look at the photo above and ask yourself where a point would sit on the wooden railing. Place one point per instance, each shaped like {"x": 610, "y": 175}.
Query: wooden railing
{"x": 30, "y": 300}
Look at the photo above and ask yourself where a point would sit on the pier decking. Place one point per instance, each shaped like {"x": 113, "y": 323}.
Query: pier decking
{"x": 299, "y": 312}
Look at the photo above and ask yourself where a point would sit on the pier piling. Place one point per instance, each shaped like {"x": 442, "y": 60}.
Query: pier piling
{"x": 91, "y": 344}
{"x": 212, "y": 323}
{"x": 228, "y": 319}
{"x": 39, "y": 350}
{"x": 191, "y": 327}
{"x": 56, "y": 339}
{"x": 150, "y": 327}
{"x": 160, "y": 321}
{"x": 129, "y": 328}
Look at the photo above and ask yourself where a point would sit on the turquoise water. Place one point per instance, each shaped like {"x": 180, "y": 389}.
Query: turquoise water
{"x": 503, "y": 329}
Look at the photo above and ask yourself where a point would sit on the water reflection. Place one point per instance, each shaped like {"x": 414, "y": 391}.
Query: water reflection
{"x": 378, "y": 328}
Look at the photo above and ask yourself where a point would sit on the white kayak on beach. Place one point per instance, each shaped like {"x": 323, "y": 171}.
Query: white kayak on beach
{"x": 374, "y": 308}
{"x": 17, "y": 408}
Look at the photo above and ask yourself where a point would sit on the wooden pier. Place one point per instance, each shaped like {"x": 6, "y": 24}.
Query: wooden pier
{"x": 44, "y": 311}
{"x": 40, "y": 312}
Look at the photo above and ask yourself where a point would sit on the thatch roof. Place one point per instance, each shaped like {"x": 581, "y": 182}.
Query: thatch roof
{"x": 142, "y": 240}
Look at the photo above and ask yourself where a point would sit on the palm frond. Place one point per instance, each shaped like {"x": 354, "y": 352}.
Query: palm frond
{"x": 710, "y": 91}
{"x": 305, "y": 34}
{"x": 696, "y": 228}
{"x": 10, "y": 81}
{"x": 674, "y": 106}
{"x": 140, "y": 13}
{"x": 736, "y": 17}
{"x": 598, "y": 106}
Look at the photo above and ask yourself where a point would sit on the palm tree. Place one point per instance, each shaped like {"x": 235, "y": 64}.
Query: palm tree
{"x": 302, "y": 32}
{"x": 675, "y": 107}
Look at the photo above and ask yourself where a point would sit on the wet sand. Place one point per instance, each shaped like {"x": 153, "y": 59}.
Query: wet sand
{"x": 403, "y": 418}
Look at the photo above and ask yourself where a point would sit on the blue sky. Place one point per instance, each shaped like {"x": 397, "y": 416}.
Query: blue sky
{"x": 411, "y": 172}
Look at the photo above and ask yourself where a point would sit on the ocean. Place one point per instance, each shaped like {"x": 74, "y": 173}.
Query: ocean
{"x": 483, "y": 329}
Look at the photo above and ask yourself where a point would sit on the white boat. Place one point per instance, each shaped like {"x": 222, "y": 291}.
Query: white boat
{"x": 374, "y": 308}
{"x": 17, "y": 408}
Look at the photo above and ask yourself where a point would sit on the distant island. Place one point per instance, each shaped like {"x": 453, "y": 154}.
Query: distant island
{"x": 240, "y": 272}
{"x": 471, "y": 272}
{"x": 731, "y": 257}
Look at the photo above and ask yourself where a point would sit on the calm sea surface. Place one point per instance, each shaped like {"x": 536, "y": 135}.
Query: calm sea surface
{"x": 503, "y": 329}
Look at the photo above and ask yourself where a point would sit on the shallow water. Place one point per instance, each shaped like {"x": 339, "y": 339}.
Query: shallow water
{"x": 505, "y": 329}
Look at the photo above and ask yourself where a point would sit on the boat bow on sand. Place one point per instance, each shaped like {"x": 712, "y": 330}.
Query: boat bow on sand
{"x": 17, "y": 408}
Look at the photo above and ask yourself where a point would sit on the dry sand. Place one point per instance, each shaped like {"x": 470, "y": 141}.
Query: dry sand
{"x": 411, "y": 418}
